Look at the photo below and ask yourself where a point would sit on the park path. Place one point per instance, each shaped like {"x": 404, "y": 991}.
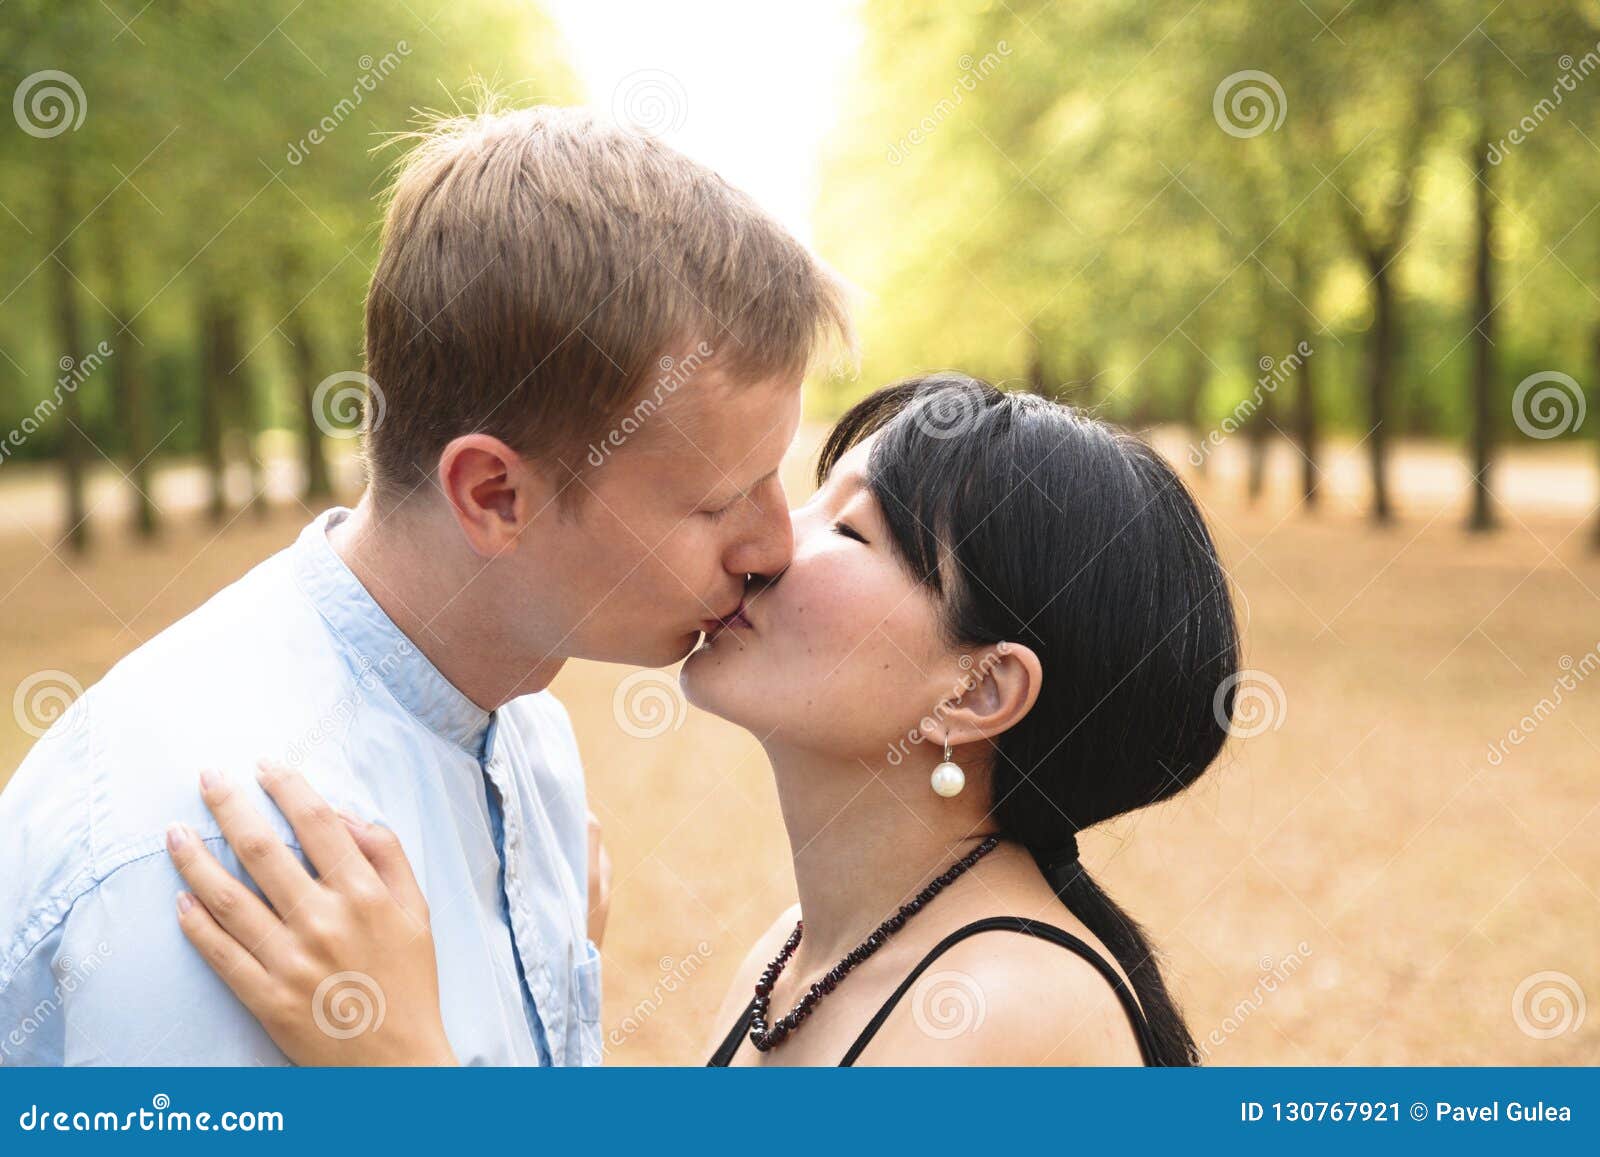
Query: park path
{"x": 31, "y": 502}
{"x": 1558, "y": 480}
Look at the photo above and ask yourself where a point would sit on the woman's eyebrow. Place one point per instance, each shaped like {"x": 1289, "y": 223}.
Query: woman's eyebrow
{"x": 848, "y": 482}
{"x": 840, "y": 489}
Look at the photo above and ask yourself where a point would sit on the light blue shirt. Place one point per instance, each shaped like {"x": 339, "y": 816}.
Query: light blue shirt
{"x": 296, "y": 662}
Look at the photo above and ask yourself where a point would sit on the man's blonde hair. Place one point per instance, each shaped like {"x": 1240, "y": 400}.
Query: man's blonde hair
{"x": 536, "y": 267}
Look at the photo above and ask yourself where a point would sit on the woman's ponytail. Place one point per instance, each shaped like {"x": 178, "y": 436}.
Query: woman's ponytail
{"x": 1126, "y": 940}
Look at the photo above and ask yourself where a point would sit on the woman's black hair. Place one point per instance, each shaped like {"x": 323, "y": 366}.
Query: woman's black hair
{"x": 1036, "y": 524}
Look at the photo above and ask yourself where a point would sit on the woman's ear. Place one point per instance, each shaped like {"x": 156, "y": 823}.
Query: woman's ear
{"x": 494, "y": 492}
{"x": 1000, "y": 688}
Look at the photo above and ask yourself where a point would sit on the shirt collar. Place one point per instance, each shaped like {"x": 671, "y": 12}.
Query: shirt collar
{"x": 380, "y": 652}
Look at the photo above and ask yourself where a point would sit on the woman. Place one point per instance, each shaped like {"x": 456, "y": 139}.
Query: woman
{"x": 1005, "y": 623}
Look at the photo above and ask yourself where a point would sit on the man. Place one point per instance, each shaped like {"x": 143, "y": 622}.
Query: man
{"x": 585, "y": 354}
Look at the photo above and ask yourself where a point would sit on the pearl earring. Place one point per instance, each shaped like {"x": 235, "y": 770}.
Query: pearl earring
{"x": 948, "y": 779}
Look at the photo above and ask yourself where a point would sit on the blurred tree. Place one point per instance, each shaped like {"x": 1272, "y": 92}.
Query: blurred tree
{"x": 128, "y": 369}
{"x": 211, "y": 211}
{"x": 69, "y": 337}
{"x": 1158, "y": 195}
{"x": 1481, "y": 517}
{"x": 299, "y": 330}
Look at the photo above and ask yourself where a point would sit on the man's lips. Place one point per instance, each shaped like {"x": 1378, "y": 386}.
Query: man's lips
{"x": 733, "y": 620}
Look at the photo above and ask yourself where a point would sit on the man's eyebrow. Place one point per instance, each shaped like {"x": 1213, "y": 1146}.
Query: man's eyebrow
{"x": 768, "y": 476}
{"x": 740, "y": 492}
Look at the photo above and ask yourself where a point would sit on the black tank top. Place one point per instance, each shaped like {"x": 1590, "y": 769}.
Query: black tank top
{"x": 1141, "y": 1028}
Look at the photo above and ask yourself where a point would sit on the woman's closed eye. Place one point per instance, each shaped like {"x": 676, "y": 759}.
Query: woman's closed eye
{"x": 848, "y": 531}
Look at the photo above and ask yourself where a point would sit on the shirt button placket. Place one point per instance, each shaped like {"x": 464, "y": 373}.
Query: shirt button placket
{"x": 522, "y": 932}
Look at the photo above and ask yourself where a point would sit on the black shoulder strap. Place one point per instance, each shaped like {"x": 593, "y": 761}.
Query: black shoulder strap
{"x": 723, "y": 1057}
{"x": 1048, "y": 932}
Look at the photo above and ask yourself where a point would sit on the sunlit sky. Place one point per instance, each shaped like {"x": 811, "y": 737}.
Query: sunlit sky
{"x": 750, "y": 89}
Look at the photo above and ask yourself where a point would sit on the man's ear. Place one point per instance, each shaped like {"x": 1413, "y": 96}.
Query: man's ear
{"x": 999, "y": 689}
{"x": 494, "y": 492}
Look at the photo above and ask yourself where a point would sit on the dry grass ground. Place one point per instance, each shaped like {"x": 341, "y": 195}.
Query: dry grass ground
{"x": 1365, "y": 858}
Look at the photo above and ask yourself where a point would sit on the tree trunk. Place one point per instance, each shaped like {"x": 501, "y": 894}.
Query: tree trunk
{"x": 211, "y": 407}
{"x": 1258, "y": 438}
{"x": 233, "y": 414}
{"x": 314, "y": 458}
{"x": 1594, "y": 373}
{"x": 242, "y": 408}
{"x": 69, "y": 336}
{"x": 1263, "y": 373}
{"x": 1307, "y": 432}
{"x": 1036, "y": 380}
{"x": 129, "y": 382}
{"x": 250, "y": 434}
{"x": 1482, "y": 517}
{"x": 1380, "y": 384}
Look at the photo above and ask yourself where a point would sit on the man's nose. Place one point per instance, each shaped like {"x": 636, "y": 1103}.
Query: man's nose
{"x": 767, "y": 545}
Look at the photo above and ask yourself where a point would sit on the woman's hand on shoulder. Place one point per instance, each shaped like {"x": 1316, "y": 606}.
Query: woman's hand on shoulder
{"x": 1004, "y": 999}
{"x": 339, "y": 969}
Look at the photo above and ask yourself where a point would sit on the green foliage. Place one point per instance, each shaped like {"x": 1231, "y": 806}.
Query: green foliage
{"x": 1081, "y": 210}
{"x": 228, "y": 152}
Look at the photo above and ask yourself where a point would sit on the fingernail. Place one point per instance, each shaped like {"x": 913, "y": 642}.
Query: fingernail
{"x": 354, "y": 823}
{"x": 210, "y": 781}
{"x": 177, "y": 837}
{"x": 185, "y": 902}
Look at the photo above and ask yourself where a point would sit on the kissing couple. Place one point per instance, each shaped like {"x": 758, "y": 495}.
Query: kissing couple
{"x": 997, "y": 623}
